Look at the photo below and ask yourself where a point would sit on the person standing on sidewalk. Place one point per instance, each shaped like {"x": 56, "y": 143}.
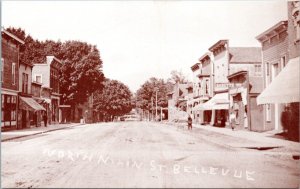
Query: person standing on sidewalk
{"x": 45, "y": 119}
{"x": 190, "y": 122}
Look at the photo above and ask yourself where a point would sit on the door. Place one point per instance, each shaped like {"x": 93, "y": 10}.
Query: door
{"x": 24, "y": 119}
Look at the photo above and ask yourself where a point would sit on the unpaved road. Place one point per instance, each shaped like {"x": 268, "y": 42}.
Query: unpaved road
{"x": 139, "y": 154}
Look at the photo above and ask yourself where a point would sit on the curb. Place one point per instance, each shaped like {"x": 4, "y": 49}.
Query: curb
{"x": 50, "y": 130}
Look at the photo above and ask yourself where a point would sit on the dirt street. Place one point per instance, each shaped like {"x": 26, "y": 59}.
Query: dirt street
{"x": 140, "y": 154}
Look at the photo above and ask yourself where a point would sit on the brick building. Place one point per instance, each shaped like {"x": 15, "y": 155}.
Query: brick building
{"x": 9, "y": 79}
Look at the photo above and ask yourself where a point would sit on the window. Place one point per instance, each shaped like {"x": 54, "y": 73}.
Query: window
{"x": 2, "y": 108}
{"x": 296, "y": 18}
{"x": 283, "y": 62}
{"x": 2, "y": 68}
{"x": 267, "y": 69}
{"x": 207, "y": 87}
{"x": 13, "y": 73}
{"x": 268, "y": 113}
{"x": 257, "y": 70}
{"x": 38, "y": 78}
{"x": 25, "y": 83}
{"x": 268, "y": 79}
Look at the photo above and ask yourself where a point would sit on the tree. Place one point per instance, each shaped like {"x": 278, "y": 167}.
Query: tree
{"x": 146, "y": 95}
{"x": 177, "y": 77}
{"x": 115, "y": 99}
{"x": 32, "y": 51}
{"x": 81, "y": 73}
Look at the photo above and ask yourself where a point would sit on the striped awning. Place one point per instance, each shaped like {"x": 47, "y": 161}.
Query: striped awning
{"x": 27, "y": 103}
{"x": 285, "y": 86}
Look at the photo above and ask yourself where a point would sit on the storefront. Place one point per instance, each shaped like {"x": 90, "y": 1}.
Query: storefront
{"x": 8, "y": 111}
{"x": 284, "y": 89}
{"x": 29, "y": 110}
{"x": 218, "y": 105}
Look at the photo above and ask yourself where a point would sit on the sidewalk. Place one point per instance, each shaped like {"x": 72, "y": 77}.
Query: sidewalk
{"x": 14, "y": 134}
{"x": 248, "y": 139}
{"x": 260, "y": 140}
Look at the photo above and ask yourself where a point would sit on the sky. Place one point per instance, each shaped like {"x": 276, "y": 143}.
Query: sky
{"x": 142, "y": 39}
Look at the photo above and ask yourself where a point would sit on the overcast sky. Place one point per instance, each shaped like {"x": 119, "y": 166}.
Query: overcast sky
{"x": 141, "y": 39}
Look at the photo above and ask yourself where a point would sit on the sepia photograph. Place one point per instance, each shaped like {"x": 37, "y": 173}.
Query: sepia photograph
{"x": 150, "y": 94}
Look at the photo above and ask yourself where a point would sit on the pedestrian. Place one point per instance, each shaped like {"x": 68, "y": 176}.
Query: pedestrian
{"x": 45, "y": 119}
{"x": 232, "y": 119}
{"x": 190, "y": 121}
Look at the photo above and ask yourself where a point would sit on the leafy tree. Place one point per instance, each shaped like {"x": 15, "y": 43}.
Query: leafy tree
{"x": 146, "y": 95}
{"x": 30, "y": 52}
{"x": 81, "y": 73}
{"x": 177, "y": 77}
{"x": 115, "y": 99}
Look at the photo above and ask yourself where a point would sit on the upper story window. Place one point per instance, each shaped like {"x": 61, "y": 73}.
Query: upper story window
{"x": 25, "y": 83}
{"x": 2, "y": 68}
{"x": 13, "y": 73}
{"x": 296, "y": 18}
{"x": 38, "y": 78}
{"x": 257, "y": 70}
{"x": 283, "y": 62}
{"x": 267, "y": 69}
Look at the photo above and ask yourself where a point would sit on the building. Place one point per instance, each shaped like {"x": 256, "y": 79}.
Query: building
{"x": 85, "y": 112}
{"x": 9, "y": 79}
{"x": 243, "y": 91}
{"x": 29, "y": 109}
{"x": 205, "y": 90}
{"x": 222, "y": 62}
{"x": 177, "y": 101}
{"x": 245, "y": 69}
{"x": 219, "y": 102}
{"x": 274, "y": 43}
{"x": 36, "y": 95}
{"x": 47, "y": 73}
{"x": 281, "y": 74}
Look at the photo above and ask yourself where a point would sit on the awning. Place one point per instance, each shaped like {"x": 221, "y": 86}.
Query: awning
{"x": 47, "y": 100}
{"x": 30, "y": 104}
{"x": 218, "y": 102}
{"x": 285, "y": 86}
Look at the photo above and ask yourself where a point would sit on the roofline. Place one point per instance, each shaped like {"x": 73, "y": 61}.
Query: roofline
{"x": 273, "y": 28}
{"x": 37, "y": 83}
{"x": 220, "y": 42}
{"x": 56, "y": 59}
{"x": 12, "y": 36}
{"x": 236, "y": 74}
{"x": 207, "y": 54}
{"x": 193, "y": 67}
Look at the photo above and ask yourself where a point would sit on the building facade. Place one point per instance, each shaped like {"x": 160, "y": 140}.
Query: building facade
{"x": 275, "y": 55}
{"x": 9, "y": 79}
{"x": 47, "y": 73}
{"x": 220, "y": 52}
{"x": 205, "y": 79}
